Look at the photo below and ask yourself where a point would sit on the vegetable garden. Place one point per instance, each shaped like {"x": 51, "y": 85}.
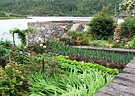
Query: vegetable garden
{"x": 53, "y": 69}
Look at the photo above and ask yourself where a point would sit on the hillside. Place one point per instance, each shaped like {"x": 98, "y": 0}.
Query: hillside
{"x": 56, "y": 7}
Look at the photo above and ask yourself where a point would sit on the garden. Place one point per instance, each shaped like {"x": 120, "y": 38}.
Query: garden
{"x": 102, "y": 31}
{"x": 56, "y": 68}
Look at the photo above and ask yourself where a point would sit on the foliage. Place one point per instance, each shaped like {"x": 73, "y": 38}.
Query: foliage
{"x": 39, "y": 49}
{"x": 127, "y": 5}
{"x": 3, "y": 55}
{"x": 128, "y": 27}
{"x": 120, "y": 58}
{"x": 5, "y": 47}
{"x": 84, "y": 66}
{"x": 58, "y": 7}
{"x": 102, "y": 25}
{"x": 7, "y": 15}
{"x": 12, "y": 80}
{"x": 118, "y": 44}
{"x": 21, "y": 34}
{"x": 85, "y": 84}
{"x": 21, "y": 47}
{"x": 131, "y": 44}
{"x": 86, "y": 39}
{"x": 78, "y": 35}
{"x": 45, "y": 62}
{"x": 20, "y": 54}
{"x": 99, "y": 43}
{"x": 6, "y": 44}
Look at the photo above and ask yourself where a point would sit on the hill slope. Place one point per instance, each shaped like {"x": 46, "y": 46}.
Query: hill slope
{"x": 56, "y": 7}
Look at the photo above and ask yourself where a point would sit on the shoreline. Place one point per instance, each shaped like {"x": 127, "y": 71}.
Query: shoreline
{"x": 6, "y": 18}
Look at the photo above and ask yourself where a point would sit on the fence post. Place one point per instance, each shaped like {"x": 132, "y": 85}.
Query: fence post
{"x": 43, "y": 64}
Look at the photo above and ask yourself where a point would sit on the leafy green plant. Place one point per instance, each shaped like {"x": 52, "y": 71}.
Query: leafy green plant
{"x": 102, "y": 25}
{"x": 99, "y": 43}
{"x": 5, "y": 50}
{"x": 131, "y": 44}
{"x": 43, "y": 85}
{"x": 58, "y": 49}
{"x": 18, "y": 56}
{"x": 73, "y": 84}
{"x": 13, "y": 80}
{"x": 76, "y": 34}
{"x": 6, "y": 44}
{"x": 21, "y": 47}
{"x": 84, "y": 66}
{"x": 128, "y": 27}
{"x": 39, "y": 49}
{"x": 21, "y": 34}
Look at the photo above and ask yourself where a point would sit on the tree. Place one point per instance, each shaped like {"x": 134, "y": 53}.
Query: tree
{"x": 102, "y": 25}
{"x": 128, "y": 27}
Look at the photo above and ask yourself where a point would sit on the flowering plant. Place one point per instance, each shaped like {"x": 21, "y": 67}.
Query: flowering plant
{"x": 12, "y": 80}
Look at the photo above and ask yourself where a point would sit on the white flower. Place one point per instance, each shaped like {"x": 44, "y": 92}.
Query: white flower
{"x": 41, "y": 44}
{"x": 39, "y": 38}
{"x": 117, "y": 41}
{"x": 25, "y": 47}
{"x": 44, "y": 46}
{"x": 29, "y": 54}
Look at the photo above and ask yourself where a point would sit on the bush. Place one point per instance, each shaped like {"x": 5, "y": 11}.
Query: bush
{"x": 5, "y": 47}
{"x": 77, "y": 35}
{"x": 99, "y": 43}
{"x": 102, "y": 25}
{"x": 13, "y": 80}
{"x": 128, "y": 27}
{"x": 131, "y": 44}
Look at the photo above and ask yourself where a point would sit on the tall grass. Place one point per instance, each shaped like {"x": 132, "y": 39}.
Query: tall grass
{"x": 73, "y": 84}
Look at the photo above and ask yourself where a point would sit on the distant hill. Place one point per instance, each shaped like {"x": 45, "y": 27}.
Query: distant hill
{"x": 57, "y": 7}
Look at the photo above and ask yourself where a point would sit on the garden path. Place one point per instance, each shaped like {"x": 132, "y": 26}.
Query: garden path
{"x": 108, "y": 49}
{"x": 123, "y": 84}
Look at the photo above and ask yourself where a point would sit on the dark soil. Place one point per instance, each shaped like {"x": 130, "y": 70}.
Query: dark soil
{"x": 105, "y": 63}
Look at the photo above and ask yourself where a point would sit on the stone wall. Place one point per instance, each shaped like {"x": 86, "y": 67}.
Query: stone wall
{"x": 45, "y": 30}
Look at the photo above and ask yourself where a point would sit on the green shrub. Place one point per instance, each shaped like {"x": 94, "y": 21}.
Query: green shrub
{"x": 102, "y": 25}
{"x": 6, "y": 44}
{"x": 128, "y": 27}
{"x": 76, "y": 34}
{"x": 5, "y": 47}
{"x": 56, "y": 48}
{"x": 84, "y": 66}
{"x": 20, "y": 47}
{"x": 13, "y": 80}
{"x": 131, "y": 44}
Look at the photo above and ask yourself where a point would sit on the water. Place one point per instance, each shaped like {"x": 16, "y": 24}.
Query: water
{"x": 8, "y": 24}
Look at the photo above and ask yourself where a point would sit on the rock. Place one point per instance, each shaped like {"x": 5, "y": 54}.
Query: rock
{"x": 76, "y": 27}
{"x": 64, "y": 35}
{"x": 86, "y": 28}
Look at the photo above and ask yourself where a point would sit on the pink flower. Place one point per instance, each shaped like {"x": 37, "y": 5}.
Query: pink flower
{"x": 12, "y": 58}
{"x": 13, "y": 47}
{"x": 20, "y": 52}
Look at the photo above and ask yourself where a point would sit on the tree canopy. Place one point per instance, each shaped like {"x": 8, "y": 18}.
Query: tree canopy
{"x": 57, "y": 7}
